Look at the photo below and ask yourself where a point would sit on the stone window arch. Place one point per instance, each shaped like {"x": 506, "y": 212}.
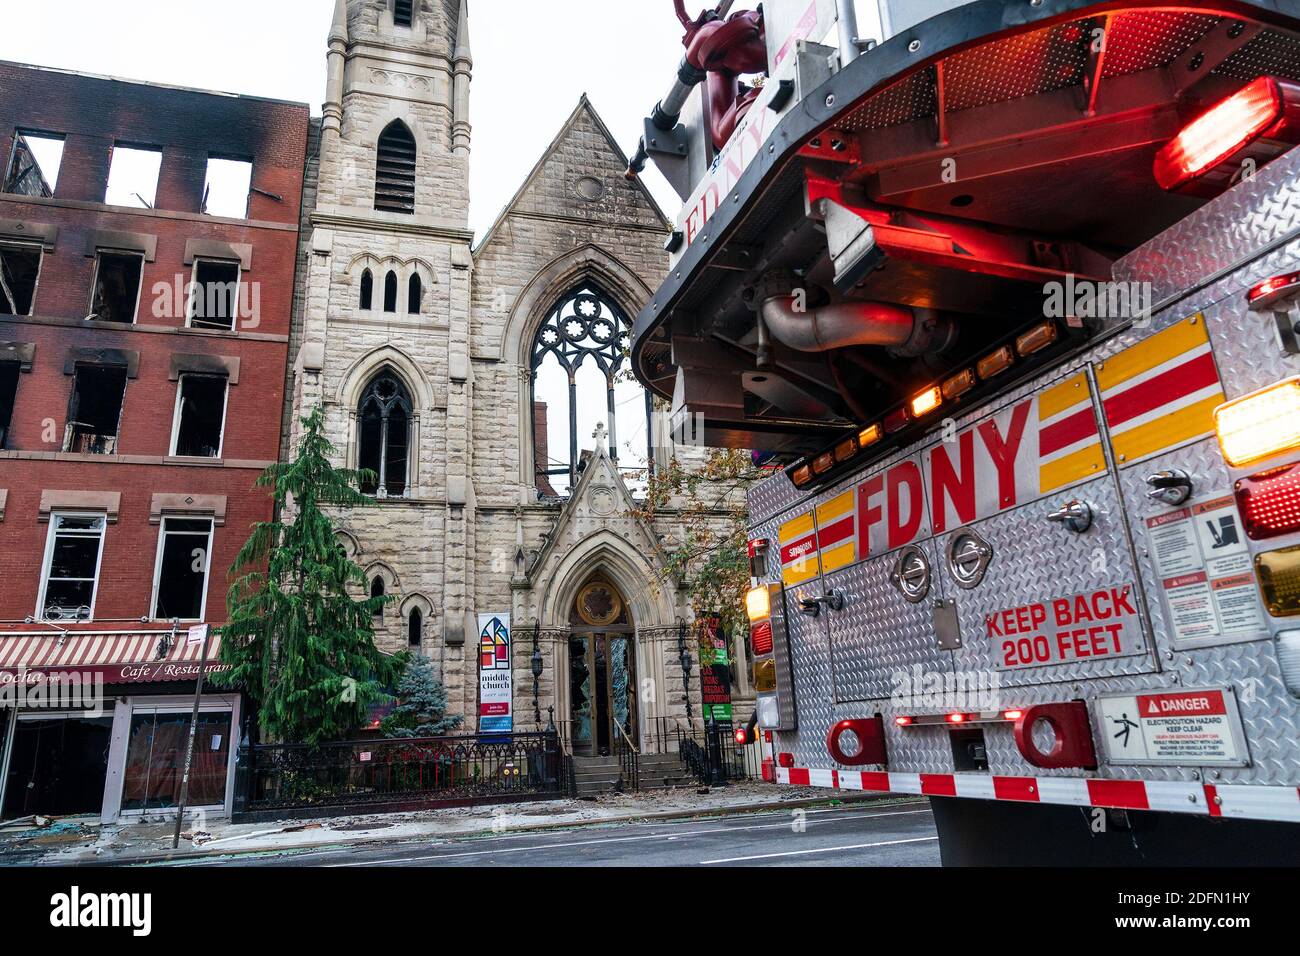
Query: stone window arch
{"x": 390, "y": 291}
{"x": 395, "y": 169}
{"x": 367, "y": 301}
{"x": 414, "y": 293}
{"x": 384, "y": 419}
{"x": 377, "y": 590}
{"x": 580, "y": 378}
{"x": 415, "y": 628}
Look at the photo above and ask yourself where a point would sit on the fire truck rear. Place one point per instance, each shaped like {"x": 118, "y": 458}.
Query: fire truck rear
{"x": 1006, "y": 294}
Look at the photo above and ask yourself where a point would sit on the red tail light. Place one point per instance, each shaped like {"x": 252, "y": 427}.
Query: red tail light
{"x": 902, "y": 721}
{"x": 785, "y": 760}
{"x": 760, "y": 637}
{"x": 1271, "y": 290}
{"x": 1258, "y": 111}
{"x": 742, "y": 738}
{"x": 1270, "y": 503}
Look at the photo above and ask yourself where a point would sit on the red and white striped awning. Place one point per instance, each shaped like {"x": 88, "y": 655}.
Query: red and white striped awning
{"x": 120, "y": 658}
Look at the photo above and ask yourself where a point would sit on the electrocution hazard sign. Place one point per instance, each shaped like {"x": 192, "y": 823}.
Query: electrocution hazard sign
{"x": 1184, "y": 727}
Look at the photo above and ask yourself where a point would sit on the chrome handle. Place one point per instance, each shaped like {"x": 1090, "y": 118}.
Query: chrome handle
{"x": 835, "y": 601}
{"x": 1173, "y": 487}
{"x": 1075, "y": 515}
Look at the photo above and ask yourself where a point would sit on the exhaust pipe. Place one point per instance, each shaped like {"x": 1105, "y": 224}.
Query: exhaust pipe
{"x": 905, "y": 331}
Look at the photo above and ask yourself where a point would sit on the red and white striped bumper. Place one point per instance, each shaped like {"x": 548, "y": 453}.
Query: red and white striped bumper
{"x": 1222, "y": 800}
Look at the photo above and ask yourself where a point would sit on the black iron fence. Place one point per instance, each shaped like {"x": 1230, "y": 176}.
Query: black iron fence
{"x": 710, "y": 752}
{"x": 299, "y": 779}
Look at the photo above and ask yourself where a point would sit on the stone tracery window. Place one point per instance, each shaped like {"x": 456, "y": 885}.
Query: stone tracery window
{"x": 384, "y": 436}
{"x": 581, "y": 379}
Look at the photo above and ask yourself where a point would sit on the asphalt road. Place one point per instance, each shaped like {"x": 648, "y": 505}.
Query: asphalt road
{"x": 893, "y": 834}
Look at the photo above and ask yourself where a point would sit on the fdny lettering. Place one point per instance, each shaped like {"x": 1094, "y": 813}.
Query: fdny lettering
{"x": 1064, "y": 630}
{"x": 984, "y": 470}
{"x": 741, "y": 150}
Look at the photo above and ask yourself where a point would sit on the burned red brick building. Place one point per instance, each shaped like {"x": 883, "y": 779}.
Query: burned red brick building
{"x": 147, "y": 251}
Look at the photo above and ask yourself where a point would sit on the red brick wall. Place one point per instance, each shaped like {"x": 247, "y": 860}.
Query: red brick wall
{"x": 188, "y": 127}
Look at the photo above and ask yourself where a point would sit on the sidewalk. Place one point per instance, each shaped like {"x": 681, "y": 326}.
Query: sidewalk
{"x": 70, "y": 842}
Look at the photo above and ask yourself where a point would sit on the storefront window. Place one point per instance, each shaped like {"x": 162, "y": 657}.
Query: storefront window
{"x": 58, "y": 765}
{"x": 155, "y": 760}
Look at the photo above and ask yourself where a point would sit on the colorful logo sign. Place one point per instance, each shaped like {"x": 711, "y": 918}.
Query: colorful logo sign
{"x": 495, "y": 682}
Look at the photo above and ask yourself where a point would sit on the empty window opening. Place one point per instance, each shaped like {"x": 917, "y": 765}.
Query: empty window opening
{"x": 395, "y": 172}
{"x": 9, "y": 372}
{"x": 403, "y": 11}
{"x": 384, "y": 433}
{"x": 227, "y": 187}
{"x": 95, "y": 410}
{"x": 377, "y": 591}
{"x": 415, "y": 628}
{"x": 34, "y": 164}
{"x": 133, "y": 177}
{"x": 214, "y": 294}
{"x": 200, "y": 416}
{"x": 117, "y": 287}
{"x": 367, "y": 290}
{"x": 390, "y": 292}
{"x": 414, "y": 295}
{"x": 19, "y": 268}
{"x": 70, "y": 574}
{"x": 181, "y": 572}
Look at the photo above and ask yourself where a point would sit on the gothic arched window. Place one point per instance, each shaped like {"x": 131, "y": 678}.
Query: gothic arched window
{"x": 390, "y": 292}
{"x": 415, "y": 628}
{"x": 414, "y": 294}
{"x": 384, "y": 436}
{"x": 377, "y": 591}
{"x": 395, "y": 169}
{"x": 367, "y": 290}
{"x": 581, "y": 379}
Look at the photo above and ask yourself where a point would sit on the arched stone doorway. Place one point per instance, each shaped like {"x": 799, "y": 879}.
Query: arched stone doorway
{"x": 602, "y": 666}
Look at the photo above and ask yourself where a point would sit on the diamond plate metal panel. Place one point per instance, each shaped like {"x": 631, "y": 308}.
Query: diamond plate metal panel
{"x": 878, "y": 638}
{"x": 814, "y": 681}
{"x": 1037, "y": 560}
{"x": 772, "y": 496}
{"x": 1222, "y": 235}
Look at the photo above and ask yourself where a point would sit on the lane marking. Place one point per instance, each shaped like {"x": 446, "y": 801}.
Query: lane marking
{"x": 629, "y": 839}
{"x": 825, "y": 849}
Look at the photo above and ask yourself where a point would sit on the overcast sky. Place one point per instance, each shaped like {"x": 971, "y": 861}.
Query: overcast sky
{"x": 532, "y": 60}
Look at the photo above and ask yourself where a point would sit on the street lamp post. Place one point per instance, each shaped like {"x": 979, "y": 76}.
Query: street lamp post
{"x": 537, "y": 674}
{"x": 687, "y": 663}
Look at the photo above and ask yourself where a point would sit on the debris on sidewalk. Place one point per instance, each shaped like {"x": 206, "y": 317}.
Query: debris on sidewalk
{"x": 135, "y": 842}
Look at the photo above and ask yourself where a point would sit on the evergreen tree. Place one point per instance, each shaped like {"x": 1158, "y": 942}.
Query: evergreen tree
{"x": 297, "y": 640}
{"x": 422, "y": 711}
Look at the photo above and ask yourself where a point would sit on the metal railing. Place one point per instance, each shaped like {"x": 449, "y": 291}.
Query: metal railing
{"x": 628, "y": 758}
{"x": 401, "y": 773}
{"x": 709, "y": 752}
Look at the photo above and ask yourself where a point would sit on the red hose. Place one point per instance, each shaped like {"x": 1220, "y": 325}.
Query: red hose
{"x": 726, "y": 49}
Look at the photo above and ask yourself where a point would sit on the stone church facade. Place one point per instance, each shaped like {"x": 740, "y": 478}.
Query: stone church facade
{"x": 421, "y": 348}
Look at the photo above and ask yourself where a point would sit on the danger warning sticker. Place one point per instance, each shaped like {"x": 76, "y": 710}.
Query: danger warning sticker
{"x": 1185, "y": 727}
{"x": 1207, "y": 579}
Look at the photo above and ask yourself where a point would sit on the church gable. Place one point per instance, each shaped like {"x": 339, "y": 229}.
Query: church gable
{"x": 582, "y": 173}
{"x": 601, "y": 502}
